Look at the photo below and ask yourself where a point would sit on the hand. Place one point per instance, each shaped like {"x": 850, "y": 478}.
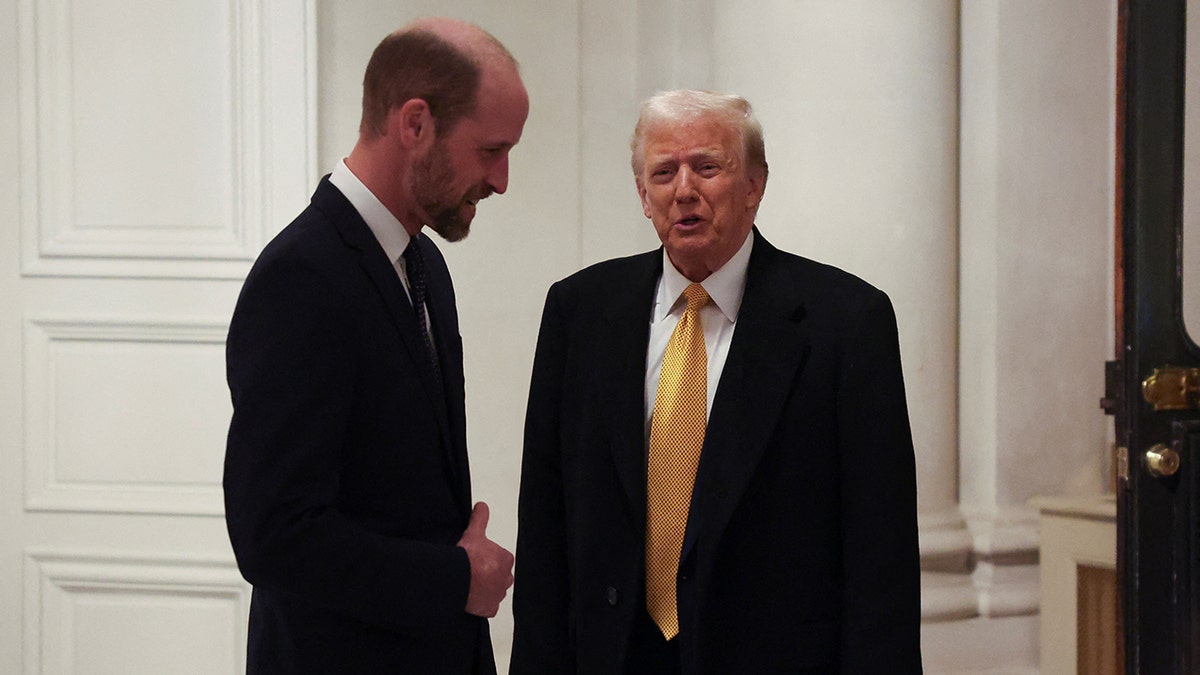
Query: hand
{"x": 491, "y": 566}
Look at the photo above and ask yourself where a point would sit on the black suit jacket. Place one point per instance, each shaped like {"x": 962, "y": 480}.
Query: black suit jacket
{"x": 801, "y": 552}
{"x": 346, "y": 475}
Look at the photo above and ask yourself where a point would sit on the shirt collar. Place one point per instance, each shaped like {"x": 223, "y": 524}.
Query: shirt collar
{"x": 387, "y": 229}
{"x": 725, "y": 286}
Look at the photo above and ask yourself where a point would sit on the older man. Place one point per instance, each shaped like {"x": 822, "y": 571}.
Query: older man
{"x": 718, "y": 473}
{"x": 346, "y": 478}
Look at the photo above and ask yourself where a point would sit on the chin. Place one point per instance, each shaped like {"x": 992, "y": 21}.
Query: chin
{"x": 454, "y": 230}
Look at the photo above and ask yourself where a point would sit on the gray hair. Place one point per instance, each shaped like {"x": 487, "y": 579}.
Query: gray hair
{"x": 683, "y": 105}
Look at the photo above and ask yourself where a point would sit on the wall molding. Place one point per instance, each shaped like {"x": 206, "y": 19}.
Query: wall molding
{"x": 948, "y": 596}
{"x": 944, "y": 534}
{"x": 1003, "y": 532}
{"x": 1007, "y": 590}
{"x": 979, "y": 563}
{"x": 272, "y": 136}
{"x": 56, "y": 581}
{"x": 45, "y": 489}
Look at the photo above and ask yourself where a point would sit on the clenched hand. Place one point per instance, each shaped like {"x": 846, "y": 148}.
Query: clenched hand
{"x": 491, "y": 566}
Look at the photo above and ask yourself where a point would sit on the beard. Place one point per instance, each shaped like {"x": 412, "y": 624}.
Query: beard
{"x": 432, "y": 180}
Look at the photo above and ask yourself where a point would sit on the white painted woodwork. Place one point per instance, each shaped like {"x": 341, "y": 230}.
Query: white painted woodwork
{"x": 98, "y": 613}
{"x": 99, "y": 439}
{"x": 151, "y": 150}
{"x": 1075, "y": 532}
{"x": 156, "y": 137}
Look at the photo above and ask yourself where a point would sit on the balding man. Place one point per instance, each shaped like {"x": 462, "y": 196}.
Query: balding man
{"x": 347, "y": 491}
{"x": 718, "y": 474}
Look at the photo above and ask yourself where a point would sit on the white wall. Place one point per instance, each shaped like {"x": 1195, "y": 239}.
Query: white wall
{"x": 860, "y": 114}
{"x": 1035, "y": 321}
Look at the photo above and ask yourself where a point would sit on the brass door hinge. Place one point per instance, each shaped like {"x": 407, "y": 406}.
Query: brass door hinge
{"x": 1172, "y": 388}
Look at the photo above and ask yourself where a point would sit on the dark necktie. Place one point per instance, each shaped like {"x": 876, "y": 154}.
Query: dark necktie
{"x": 414, "y": 268}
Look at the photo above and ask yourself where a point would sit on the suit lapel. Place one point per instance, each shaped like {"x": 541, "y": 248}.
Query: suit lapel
{"x": 355, "y": 233}
{"x": 622, "y": 366}
{"x": 770, "y": 347}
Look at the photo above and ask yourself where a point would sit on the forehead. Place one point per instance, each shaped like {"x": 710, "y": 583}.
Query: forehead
{"x": 682, "y": 138}
{"x": 500, "y": 111}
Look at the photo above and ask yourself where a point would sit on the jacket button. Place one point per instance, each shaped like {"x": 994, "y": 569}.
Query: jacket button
{"x": 611, "y": 595}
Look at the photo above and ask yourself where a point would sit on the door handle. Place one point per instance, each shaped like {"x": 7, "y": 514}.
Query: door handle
{"x": 1162, "y": 461}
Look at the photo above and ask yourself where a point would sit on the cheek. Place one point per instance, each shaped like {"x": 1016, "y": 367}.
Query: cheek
{"x": 725, "y": 206}
{"x": 655, "y": 206}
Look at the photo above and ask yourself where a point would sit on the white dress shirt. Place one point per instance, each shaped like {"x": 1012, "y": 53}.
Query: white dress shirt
{"x": 386, "y": 227}
{"x": 718, "y": 318}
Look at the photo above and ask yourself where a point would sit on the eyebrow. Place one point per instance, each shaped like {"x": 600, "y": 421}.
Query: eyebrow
{"x": 670, "y": 157}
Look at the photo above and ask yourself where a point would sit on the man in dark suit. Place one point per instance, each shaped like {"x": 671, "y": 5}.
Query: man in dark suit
{"x": 718, "y": 473}
{"x": 347, "y": 491}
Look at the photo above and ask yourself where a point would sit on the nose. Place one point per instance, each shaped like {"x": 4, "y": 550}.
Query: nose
{"x": 685, "y": 188}
{"x": 497, "y": 177}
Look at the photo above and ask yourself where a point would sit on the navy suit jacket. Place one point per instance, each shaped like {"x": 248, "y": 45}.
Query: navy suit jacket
{"x": 801, "y": 552}
{"x": 346, "y": 478}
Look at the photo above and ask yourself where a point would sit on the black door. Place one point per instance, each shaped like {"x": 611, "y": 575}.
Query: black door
{"x": 1154, "y": 385}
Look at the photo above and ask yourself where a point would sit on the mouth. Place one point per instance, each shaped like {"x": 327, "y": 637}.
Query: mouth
{"x": 477, "y": 197}
{"x": 688, "y": 221}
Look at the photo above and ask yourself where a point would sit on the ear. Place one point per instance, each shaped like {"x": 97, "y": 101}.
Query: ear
{"x": 758, "y": 185}
{"x": 411, "y": 123}
{"x": 641, "y": 189}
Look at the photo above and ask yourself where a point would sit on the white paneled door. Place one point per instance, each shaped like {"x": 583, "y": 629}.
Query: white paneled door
{"x": 149, "y": 150}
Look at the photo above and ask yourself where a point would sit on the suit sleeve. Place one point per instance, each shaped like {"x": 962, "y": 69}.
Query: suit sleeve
{"x": 882, "y": 604}
{"x": 292, "y": 379}
{"x": 541, "y": 592}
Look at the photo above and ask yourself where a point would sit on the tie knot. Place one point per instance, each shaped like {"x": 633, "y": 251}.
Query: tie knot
{"x": 697, "y": 297}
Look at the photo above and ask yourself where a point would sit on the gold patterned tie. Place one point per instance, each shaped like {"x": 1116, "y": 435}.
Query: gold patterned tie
{"x": 676, "y": 437}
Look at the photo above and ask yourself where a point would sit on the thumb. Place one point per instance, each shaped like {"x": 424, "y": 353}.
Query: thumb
{"x": 479, "y": 519}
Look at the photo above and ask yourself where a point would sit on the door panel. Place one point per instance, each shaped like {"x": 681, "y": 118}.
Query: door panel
{"x": 150, "y": 145}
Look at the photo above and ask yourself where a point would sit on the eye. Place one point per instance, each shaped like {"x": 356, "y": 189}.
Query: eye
{"x": 492, "y": 152}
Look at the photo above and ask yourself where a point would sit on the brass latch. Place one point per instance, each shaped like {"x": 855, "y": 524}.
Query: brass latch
{"x": 1173, "y": 388}
{"x": 1162, "y": 461}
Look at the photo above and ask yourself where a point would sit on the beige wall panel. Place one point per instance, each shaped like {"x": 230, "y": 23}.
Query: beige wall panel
{"x": 109, "y": 614}
{"x": 859, "y": 108}
{"x": 1054, "y": 223}
{"x": 151, "y": 144}
{"x": 101, "y": 434}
